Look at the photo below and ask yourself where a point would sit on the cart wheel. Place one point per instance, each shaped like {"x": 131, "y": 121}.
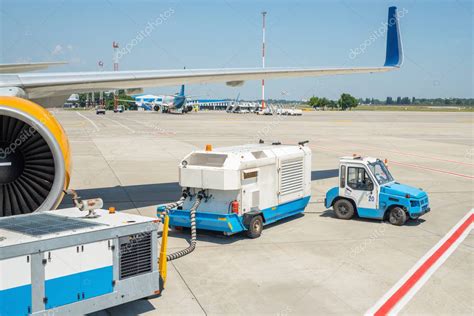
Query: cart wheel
{"x": 255, "y": 227}
{"x": 397, "y": 216}
{"x": 343, "y": 209}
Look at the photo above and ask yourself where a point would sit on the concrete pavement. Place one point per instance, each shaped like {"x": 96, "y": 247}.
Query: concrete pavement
{"x": 311, "y": 264}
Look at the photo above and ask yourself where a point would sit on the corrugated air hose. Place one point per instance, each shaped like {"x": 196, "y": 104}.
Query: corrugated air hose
{"x": 192, "y": 214}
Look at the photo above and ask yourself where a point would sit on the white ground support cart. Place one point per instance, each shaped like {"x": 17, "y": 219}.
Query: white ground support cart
{"x": 63, "y": 262}
{"x": 244, "y": 187}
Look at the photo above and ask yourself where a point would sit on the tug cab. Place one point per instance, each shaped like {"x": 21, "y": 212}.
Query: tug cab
{"x": 367, "y": 188}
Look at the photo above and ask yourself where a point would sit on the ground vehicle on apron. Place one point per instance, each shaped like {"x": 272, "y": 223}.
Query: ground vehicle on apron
{"x": 367, "y": 189}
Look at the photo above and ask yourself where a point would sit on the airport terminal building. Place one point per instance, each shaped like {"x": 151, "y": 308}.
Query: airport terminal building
{"x": 209, "y": 104}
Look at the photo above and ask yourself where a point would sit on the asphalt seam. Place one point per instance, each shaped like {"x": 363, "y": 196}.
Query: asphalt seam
{"x": 189, "y": 288}
{"x": 304, "y": 241}
{"x": 120, "y": 124}
{"x": 115, "y": 175}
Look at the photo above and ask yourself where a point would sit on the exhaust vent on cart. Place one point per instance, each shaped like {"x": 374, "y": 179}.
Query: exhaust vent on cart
{"x": 135, "y": 255}
{"x": 291, "y": 176}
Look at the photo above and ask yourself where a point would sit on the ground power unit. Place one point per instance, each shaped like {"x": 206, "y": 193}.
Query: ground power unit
{"x": 243, "y": 188}
{"x": 63, "y": 262}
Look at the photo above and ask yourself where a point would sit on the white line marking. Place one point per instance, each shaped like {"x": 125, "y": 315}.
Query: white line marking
{"x": 403, "y": 300}
{"x": 90, "y": 121}
{"x": 123, "y": 125}
{"x": 5, "y": 164}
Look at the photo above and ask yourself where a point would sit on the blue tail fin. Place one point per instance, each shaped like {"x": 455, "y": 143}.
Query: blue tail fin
{"x": 181, "y": 93}
{"x": 394, "y": 57}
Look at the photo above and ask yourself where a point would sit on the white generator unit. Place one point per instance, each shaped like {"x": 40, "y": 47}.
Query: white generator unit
{"x": 65, "y": 263}
{"x": 244, "y": 187}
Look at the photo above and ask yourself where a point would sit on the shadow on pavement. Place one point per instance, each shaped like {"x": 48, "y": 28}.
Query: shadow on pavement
{"x": 410, "y": 222}
{"x": 137, "y": 307}
{"x": 220, "y": 238}
{"x": 146, "y": 195}
{"x": 324, "y": 174}
{"x": 137, "y": 195}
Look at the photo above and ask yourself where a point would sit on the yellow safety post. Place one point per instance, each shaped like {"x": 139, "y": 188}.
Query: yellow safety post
{"x": 162, "y": 264}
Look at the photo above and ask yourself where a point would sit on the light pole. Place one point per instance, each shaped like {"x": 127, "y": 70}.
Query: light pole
{"x": 264, "y": 13}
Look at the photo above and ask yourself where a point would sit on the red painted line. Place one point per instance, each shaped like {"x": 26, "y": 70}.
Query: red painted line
{"x": 416, "y": 276}
{"x": 432, "y": 169}
{"x": 405, "y": 164}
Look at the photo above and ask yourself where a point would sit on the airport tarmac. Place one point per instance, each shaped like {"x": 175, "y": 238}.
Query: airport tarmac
{"x": 310, "y": 264}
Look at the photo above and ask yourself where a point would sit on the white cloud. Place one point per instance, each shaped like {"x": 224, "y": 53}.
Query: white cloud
{"x": 57, "y": 50}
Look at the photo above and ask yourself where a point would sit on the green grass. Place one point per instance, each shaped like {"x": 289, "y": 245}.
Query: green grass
{"x": 417, "y": 108}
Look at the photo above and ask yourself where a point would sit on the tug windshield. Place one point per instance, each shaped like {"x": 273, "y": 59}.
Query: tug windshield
{"x": 380, "y": 171}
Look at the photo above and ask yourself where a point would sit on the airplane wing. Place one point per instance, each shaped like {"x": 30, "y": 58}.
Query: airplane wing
{"x": 44, "y": 85}
{"x": 25, "y": 67}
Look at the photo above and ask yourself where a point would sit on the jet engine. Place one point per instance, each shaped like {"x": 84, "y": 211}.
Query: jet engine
{"x": 34, "y": 158}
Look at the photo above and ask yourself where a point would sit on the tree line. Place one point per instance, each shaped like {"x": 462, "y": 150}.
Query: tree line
{"x": 85, "y": 99}
{"x": 418, "y": 101}
{"x": 345, "y": 102}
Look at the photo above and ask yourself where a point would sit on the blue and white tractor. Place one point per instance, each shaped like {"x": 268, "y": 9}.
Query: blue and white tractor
{"x": 367, "y": 189}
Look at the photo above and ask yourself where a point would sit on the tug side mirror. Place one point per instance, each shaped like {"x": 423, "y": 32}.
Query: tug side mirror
{"x": 370, "y": 186}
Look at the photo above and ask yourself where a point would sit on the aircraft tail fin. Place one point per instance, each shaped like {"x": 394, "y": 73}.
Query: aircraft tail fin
{"x": 181, "y": 93}
{"x": 394, "y": 54}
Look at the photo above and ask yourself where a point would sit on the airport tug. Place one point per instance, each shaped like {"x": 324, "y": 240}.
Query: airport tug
{"x": 367, "y": 188}
{"x": 242, "y": 188}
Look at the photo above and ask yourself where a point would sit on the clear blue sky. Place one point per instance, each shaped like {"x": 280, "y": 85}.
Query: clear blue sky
{"x": 437, "y": 38}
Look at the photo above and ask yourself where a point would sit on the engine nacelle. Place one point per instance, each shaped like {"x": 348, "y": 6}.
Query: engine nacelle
{"x": 34, "y": 158}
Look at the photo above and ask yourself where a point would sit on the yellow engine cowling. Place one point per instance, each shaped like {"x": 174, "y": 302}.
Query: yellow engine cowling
{"x": 35, "y": 159}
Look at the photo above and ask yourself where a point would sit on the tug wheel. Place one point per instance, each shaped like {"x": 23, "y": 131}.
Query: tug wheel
{"x": 397, "y": 216}
{"x": 255, "y": 227}
{"x": 343, "y": 209}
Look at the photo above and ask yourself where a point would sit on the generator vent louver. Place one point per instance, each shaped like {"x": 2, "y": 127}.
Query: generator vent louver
{"x": 27, "y": 167}
{"x": 135, "y": 255}
{"x": 292, "y": 176}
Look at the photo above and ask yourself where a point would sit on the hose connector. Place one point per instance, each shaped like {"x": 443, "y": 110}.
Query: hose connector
{"x": 192, "y": 215}
{"x": 201, "y": 194}
{"x": 89, "y": 206}
{"x": 186, "y": 192}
